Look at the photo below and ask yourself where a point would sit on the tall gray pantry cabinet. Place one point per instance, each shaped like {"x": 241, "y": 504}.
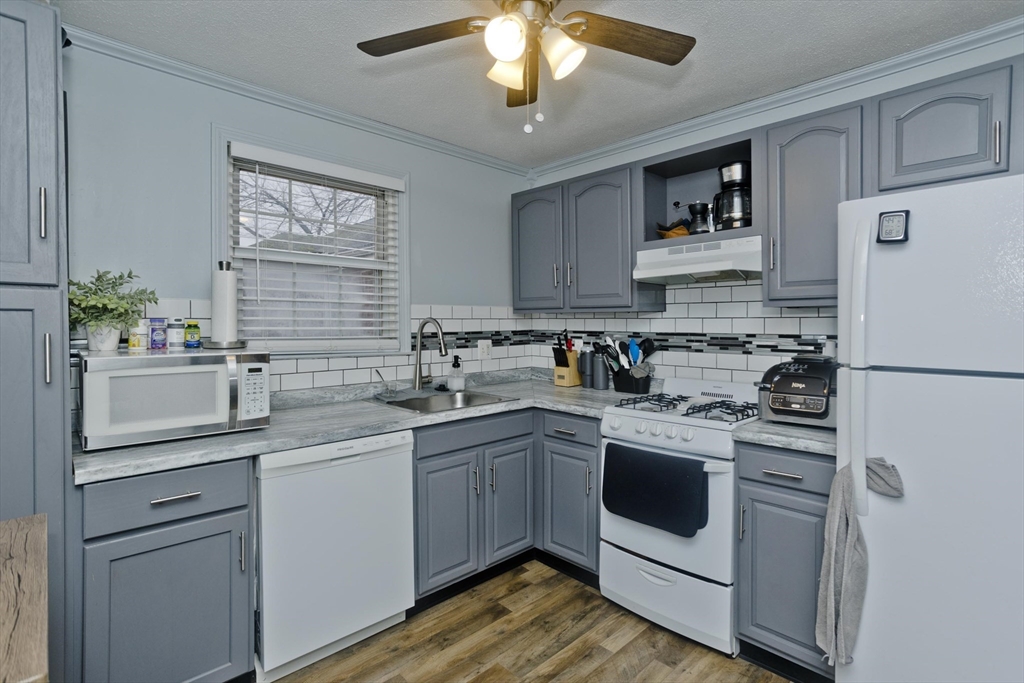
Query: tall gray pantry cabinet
{"x": 35, "y": 444}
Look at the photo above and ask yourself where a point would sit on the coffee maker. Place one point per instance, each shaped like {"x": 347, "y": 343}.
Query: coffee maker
{"x": 731, "y": 206}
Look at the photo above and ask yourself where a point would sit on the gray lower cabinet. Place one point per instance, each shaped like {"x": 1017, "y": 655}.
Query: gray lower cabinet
{"x": 31, "y": 184}
{"x": 781, "y": 541}
{"x": 571, "y": 492}
{"x": 169, "y": 604}
{"x": 814, "y": 164}
{"x": 953, "y": 129}
{"x": 447, "y": 517}
{"x": 33, "y": 431}
{"x": 508, "y": 500}
{"x": 598, "y": 266}
{"x": 537, "y": 263}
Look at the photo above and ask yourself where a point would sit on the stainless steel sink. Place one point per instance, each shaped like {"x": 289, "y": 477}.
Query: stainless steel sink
{"x": 437, "y": 403}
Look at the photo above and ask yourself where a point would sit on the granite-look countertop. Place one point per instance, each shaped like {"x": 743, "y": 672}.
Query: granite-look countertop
{"x": 312, "y": 423}
{"x": 793, "y": 437}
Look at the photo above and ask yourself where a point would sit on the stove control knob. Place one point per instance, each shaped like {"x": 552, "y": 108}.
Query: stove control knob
{"x": 615, "y": 424}
{"x": 671, "y": 432}
{"x": 641, "y": 427}
{"x": 688, "y": 434}
{"x": 656, "y": 429}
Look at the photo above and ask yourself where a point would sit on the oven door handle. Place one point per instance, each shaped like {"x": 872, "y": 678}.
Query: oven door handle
{"x": 717, "y": 467}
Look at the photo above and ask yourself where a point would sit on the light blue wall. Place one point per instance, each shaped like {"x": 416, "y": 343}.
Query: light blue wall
{"x": 140, "y": 183}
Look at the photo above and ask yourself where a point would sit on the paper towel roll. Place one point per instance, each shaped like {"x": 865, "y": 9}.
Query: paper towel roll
{"x": 225, "y": 304}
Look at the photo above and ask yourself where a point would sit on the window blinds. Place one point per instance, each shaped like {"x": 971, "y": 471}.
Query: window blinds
{"x": 317, "y": 259}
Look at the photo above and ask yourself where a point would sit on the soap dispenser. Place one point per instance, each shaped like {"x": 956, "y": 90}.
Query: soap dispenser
{"x": 456, "y": 377}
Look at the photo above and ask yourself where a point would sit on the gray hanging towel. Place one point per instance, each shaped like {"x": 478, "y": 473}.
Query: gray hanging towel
{"x": 666, "y": 492}
{"x": 844, "y": 566}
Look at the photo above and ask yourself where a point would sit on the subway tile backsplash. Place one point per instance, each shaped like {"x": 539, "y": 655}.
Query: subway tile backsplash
{"x": 719, "y": 332}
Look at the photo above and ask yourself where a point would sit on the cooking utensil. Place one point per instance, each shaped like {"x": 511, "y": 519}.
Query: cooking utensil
{"x": 634, "y": 352}
{"x": 624, "y": 354}
{"x": 647, "y": 347}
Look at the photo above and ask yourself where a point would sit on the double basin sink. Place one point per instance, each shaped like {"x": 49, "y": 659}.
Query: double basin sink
{"x": 439, "y": 402}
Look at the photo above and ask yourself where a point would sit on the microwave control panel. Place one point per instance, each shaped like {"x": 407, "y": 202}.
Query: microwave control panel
{"x": 253, "y": 390}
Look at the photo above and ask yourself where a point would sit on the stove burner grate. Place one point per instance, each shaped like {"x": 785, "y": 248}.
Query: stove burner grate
{"x": 654, "y": 403}
{"x": 725, "y": 411}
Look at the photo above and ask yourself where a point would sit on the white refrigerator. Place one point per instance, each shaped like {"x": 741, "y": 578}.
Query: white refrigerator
{"x": 931, "y": 338}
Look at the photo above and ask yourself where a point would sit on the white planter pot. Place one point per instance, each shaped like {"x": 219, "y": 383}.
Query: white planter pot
{"x": 104, "y": 338}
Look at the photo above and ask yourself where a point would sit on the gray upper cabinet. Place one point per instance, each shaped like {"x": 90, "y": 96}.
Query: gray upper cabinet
{"x": 508, "y": 500}
{"x": 31, "y": 183}
{"x": 537, "y": 263}
{"x": 780, "y": 562}
{"x": 599, "y": 264}
{"x": 447, "y": 511}
{"x": 169, "y": 604}
{"x": 571, "y": 495}
{"x": 955, "y": 129}
{"x": 33, "y": 432}
{"x": 813, "y": 164}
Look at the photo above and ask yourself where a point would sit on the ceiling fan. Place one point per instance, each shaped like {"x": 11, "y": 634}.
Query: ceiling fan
{"x": 526, "y": 28}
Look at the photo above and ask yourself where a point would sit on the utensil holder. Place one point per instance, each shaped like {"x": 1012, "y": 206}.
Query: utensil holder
{"x": 626, "y": 383}
{"x": 568, "y": 376}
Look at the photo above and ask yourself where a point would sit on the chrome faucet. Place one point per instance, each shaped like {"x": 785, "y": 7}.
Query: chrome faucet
{"x": 417, "y": 377}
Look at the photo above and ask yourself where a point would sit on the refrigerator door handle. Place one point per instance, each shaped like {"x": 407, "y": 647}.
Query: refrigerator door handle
{"x": 858, "y": 438}
{"x": 859, "y": 295}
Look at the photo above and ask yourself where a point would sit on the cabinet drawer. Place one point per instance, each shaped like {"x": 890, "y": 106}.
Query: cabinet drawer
{"x": 575, "y": 429}
{"x": 809, "y": 473}
{"x": 457, "y": 436}
{"x": 123, "y": 504}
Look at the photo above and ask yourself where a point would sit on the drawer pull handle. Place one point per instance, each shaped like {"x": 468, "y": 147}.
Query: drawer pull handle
{"x": 787, "y": 475}
{"x": 183, "y": 496}
{"x": 743, "y": 511}
{"x": 494, "y": 476}
{"x": 476, "y": 475}
{"x": 567, "y": 432}
{"x": 656, "y": 579}
{"x": 241, "y": 552}
{"x": 47, "y": 359}
{"x": 42, "y": 211}
{"x": 588, "y": 479}
{"x": 998, "y": 140}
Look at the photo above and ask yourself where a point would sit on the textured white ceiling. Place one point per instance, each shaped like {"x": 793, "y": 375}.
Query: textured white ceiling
{"x": 745, "y": 49}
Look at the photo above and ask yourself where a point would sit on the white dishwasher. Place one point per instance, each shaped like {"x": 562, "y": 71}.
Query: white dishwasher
{"x": 335, "y": 548}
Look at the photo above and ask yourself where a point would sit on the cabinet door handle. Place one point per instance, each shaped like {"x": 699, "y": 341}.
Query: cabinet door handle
{"x": 568, "y": 432}
{"x": 787, "y": 475}
{"x": 588, "y": 479}
{"x": 476, "y": 475}
{"x": 568, "y": 274}
{"x": 183, "y": 496}
{"x": 998, "y": 138}
{"x": 554, "y": 269}
{"x": 743, "y": 511}
{"x": 47, "y": 364}
{"x": 241, "y": 552}
{"x": 771, "y": 254}
{"x": 42, "y": 211}
{"x": 494, "y": 476}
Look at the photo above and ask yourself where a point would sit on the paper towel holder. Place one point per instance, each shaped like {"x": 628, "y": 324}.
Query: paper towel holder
{"x": 236, "y": 344}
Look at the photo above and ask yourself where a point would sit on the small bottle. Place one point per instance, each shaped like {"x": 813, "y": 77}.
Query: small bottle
{"x": 456, "y": 377}
{"x": 138, "y": 336}
{"x": 176, "y": 333}
{"x": 157, "y": 333}
{"x": 192, "y": 334}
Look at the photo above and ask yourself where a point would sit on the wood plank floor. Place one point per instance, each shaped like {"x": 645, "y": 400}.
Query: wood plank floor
{"x": 530, "y": 624}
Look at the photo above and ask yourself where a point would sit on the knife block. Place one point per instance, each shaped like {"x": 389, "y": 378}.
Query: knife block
{"x": 569, "y": 376}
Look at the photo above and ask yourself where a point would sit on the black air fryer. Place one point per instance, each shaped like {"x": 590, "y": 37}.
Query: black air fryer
{"x": 800, "y": 392}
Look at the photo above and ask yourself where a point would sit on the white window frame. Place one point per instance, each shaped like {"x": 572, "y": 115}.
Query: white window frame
{"x": 260, "y": 148}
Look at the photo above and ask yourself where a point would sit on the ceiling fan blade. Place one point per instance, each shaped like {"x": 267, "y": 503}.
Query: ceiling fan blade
{"x": 378, "y": 47}
{"x": 518, "y": 98}
{"x": 634, "y": 39}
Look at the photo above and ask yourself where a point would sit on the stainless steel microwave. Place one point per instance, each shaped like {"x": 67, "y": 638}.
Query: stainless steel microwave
{"x": 138, "y": 397}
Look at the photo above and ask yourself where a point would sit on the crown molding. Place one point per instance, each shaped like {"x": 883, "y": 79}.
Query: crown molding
{"x": 1003, "y": 31}
{"x": 87, "y": 40}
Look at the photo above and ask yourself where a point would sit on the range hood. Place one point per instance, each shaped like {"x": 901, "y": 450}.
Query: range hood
{"x": 727, "y": 259}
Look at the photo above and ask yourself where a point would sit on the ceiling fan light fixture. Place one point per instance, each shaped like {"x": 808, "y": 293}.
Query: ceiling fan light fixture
{"x": 505, "y": 36}
{"x": 509, "y": 74}
{"x": 563, "y": 53}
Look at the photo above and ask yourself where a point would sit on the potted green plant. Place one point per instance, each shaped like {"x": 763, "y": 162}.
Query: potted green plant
{"x": 102, "y": 306}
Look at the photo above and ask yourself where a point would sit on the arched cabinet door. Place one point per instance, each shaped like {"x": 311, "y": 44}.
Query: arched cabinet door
{"x": 599, "y": 263}
{"x": 953, "y": 130}
{"x": 537, "y": 264}
{"x": 813, "y": 165}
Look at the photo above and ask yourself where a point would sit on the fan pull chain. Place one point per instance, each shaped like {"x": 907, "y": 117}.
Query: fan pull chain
{"x": 528, "y": 128}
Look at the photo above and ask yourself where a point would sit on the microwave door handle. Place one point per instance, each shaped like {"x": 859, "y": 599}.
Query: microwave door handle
{"x": 232, "y": 366}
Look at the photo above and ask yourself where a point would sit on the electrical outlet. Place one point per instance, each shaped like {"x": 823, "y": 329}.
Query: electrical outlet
{"x": 483, "y": 347}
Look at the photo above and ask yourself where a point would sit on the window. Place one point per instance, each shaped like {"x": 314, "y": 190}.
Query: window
{"x": 317, "y": 255}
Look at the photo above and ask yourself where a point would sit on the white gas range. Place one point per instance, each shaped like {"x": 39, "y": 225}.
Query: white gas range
{"x": 668, "y": 506}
